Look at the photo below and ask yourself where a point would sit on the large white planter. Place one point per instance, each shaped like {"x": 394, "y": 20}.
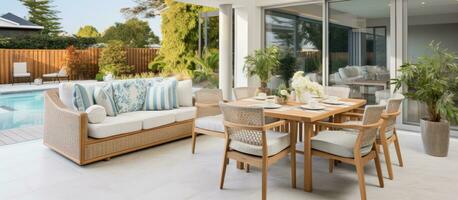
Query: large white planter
{"x": 436, "y": 137}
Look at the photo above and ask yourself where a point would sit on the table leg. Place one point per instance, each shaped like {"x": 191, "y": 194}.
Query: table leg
{"x": 293, "y": 139}
{"x": 308, "y": 157}
{"x": 240, "y": 165}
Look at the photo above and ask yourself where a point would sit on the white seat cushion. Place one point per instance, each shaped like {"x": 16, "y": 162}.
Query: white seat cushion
{"x": 276, "y": 142}
{"x": 152, "y": 119}
{"x": 114, "y": 126}
{"x": 184, "y": 113}
{"x": 211, "y": 123}
{"x": 21, "y": 75}
{"x": 340, "y": 143}
{"x": 51, "y": 75}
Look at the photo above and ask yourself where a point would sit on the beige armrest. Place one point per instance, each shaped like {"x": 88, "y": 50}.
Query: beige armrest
{"x": 65, "y": 130}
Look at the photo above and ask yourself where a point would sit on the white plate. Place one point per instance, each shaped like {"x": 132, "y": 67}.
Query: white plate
{"x": 270, "y": 106}
{"x": 308, "y": 107}
{"x": 333, "y": 102}
{"x": 260, "y": 98}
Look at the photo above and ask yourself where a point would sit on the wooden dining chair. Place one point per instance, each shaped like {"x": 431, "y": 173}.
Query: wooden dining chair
{"x": 244, "y": 92}
{"x": 250, "y": 140}
{"x": 337, "y": 91}
{"x": 353, "y": 144}
{"x": 209, "y": 119}
{"x": 387, "y": 133}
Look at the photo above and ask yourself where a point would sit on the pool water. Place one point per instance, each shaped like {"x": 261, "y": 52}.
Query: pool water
{"x": 21, "y": 110}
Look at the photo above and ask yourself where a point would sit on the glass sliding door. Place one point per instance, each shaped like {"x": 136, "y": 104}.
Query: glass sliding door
{"x": 428, "y": 21}
{"x": 358, "y": 38}
{"x": 297, "y": 31}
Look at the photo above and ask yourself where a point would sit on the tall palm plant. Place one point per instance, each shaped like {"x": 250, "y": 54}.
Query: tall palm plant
{"x": 262, "y": 63}
{"x": 432, "y": 80}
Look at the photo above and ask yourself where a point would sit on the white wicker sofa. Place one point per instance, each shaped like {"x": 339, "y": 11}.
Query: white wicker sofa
{"x": 69, "y": 133}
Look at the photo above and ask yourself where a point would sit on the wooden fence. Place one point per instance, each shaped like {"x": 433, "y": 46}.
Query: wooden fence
{"x": 44, "y": 61}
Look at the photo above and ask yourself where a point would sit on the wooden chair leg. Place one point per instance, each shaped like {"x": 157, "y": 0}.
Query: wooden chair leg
{"x": 386, "y": 152}
{"x": 398, "y": 148}
{"x": 331, "y": 165}
{"x": 193, "y": 141}
{"x": 264, "y": 178}
{"x": 247, "y": 168}
{"x": 361, "y": 181}
{"x": 223, "y": 170}
{"x": 379, "y": 170}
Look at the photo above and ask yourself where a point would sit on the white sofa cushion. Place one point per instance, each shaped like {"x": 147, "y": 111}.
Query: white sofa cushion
{"x": 114, "y": 126}
{"x": 184, "y": 90}
{"x": 184, "y": 113}
{"x": 276, "y": 142}
{"x": 212, "y": 123}
{"x": 65, "y": 94}
{"x": 96, "y": 114}
{"x": 152, "y": 119}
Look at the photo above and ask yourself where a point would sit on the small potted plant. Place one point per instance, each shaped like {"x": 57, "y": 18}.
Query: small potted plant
{"x": 262, "y": 63}
{"x": 432, "y": 81}
{"x": 282, "y": 94}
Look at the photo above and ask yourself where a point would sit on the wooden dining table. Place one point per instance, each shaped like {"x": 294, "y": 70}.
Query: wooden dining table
{"x": 294, "y": 114}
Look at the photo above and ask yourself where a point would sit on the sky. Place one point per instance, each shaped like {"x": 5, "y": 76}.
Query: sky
{"x": 76, "y": 13}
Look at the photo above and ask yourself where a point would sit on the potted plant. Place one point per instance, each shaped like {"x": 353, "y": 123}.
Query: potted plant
{"x": 287, "y": 67}
{"x": 262, "y": 63}
{"x": 432, "y": 81}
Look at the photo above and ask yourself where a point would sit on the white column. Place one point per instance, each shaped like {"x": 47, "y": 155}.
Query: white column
{"x": 248, "y": 37}
{"x": 225, "y": 50}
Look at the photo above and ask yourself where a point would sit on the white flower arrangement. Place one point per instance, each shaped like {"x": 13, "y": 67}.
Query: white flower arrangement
{"x": 302, "y": 84}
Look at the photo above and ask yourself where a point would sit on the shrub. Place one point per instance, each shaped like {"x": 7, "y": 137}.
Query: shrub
{"x": 36, "y": 41}
{"x": 99, "y": 77}
{"x": 113, "y": 59}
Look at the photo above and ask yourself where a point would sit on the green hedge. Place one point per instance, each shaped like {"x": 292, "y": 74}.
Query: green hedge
{"x": 45, "y": 42}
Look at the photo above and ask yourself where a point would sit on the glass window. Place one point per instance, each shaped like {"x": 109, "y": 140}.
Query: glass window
{"x": 358, "y": 34}
{"x": 297, "y": 31}
{"x": 428, "y": 21}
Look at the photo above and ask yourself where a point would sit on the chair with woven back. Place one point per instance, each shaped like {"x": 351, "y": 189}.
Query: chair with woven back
{"x": 244, "y": 92}
{"x": 209, "y": 119}
{"x": 387, "y": 133}
{"x": 250, "y": 140}
{"x": 352, "y": 144}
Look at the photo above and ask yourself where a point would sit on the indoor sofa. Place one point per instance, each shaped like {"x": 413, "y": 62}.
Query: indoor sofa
{"x": 68, "y": 131}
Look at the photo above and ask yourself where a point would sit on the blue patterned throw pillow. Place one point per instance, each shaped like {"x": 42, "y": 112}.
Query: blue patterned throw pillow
{"x": 170, "y": 84}
{"x": 129, "y": 95}
{"x": 81, "y": 98}
{"x": 103, "y": 96}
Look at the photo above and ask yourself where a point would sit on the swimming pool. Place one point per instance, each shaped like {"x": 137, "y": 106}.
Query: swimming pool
{"x": 21, "y": 109}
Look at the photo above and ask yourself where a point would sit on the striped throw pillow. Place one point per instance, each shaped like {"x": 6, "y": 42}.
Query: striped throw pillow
{"x": 81, "y": 98}
{"x": 171, "y": 84}
{"x": 103, "y": 96}
{"x": 158, "y": 98}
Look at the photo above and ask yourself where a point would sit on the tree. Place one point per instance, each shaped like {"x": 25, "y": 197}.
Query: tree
{"x": 88, "y": 31}
{"x": 114, "y": 59}
{"x": 41, "y": 13}
{"x": 180, "y": 25}
{"x": 134, "y": 33}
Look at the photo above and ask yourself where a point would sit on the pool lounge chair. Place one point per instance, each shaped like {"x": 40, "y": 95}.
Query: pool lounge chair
{"x": 62, "y": 74}
{"x": 20, "y": 72}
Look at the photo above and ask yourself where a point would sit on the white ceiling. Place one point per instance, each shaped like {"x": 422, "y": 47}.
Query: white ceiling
{"x": 373, "y": 9}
